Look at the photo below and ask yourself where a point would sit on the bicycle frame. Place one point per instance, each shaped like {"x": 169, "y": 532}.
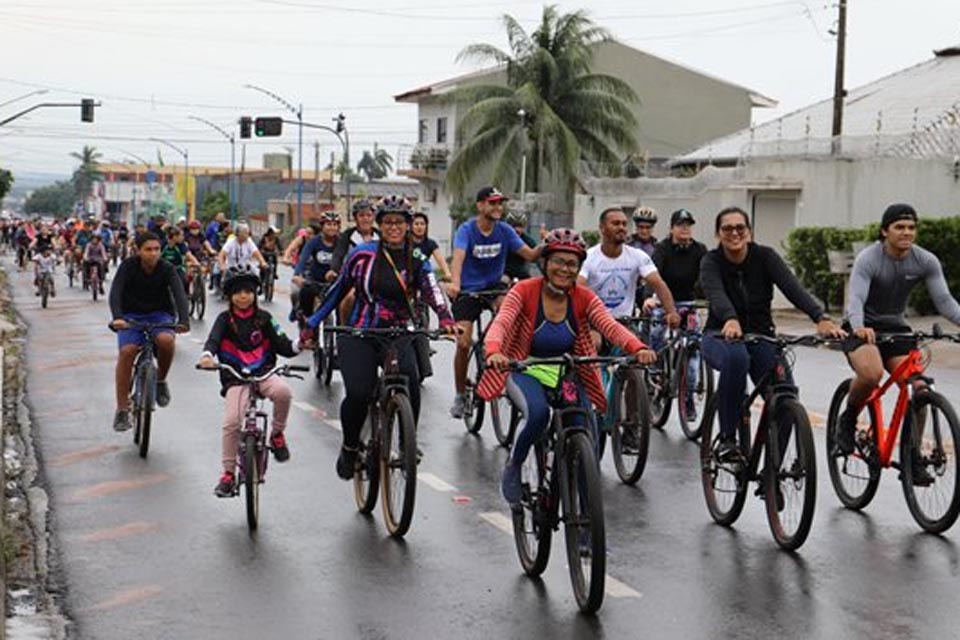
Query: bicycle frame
{"x": 903, "y": 376}
{"x": 255, "y": 424}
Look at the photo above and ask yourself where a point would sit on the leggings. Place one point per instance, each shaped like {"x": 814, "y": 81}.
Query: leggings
{"x": 530, "y": 397}
{"x": 274, "y": 389}
{"x": 360, "y": 360}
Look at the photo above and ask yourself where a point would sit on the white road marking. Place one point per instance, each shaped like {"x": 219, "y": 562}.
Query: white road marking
{"x": 333, "y": 423}
{"x": 196, "y": 340}
{"x": 304, "y": 406}
{"x": 438, "y": 484}
{"x": 612, "y": 587}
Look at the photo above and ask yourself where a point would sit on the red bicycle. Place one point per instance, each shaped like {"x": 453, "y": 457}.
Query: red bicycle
{"x": 928, "y": 429}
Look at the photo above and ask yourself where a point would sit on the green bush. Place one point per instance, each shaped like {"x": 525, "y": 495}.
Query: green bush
{"x": 942, "y": 237}
{"x": 806, "y": 251}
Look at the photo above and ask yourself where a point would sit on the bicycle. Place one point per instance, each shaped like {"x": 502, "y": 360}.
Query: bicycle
{"x": 93, "y": 280}
{"x": 253, "y": 451}
{"x": 198, "y": 291}
{"x": 561, "y": 483}
{"x": 473, "y": 404}
{"x": 143, "y": 385}
{"x": 69, "y": 261}
{"x": 46, "y": 287}
{"x": 325, "y": 358}
{"x": 671, "y": 378}
{"x": 267, "y": 281}
{"x": 787, "y": 483}
{"x": 388, "y": 440}
{"x": 627, "y": 418}
{"x": 929, "y": 432}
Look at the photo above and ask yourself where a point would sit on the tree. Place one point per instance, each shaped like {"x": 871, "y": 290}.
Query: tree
{"x": 376, "y": 165}
{"x": 343, "y": 169}
{"x": 6, "y": 181}
{"x": 56, "y": 199}
{"x": 570, "y": 113}
{"x": 87, "y": 173}
{"x": 213, "y": 203}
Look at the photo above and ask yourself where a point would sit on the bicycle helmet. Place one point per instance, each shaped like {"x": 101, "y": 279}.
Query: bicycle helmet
{"x": 394, "y": 204}
{"x": 645, "y": 215}
{"x": 361, "y": 205}
{"x": 237, "y": 279}
{"x": 194, "y": 224}
{"x": 516, "y": 218}
{"x": 330, "y": 216}
{"x": 564, "y": 240}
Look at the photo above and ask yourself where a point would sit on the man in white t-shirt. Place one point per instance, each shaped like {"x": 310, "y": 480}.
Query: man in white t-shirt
{"x": 613, "y": 268}
{"x": 240, "y": 251}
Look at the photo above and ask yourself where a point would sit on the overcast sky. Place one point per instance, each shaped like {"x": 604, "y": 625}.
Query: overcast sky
{"x": 155, "y": 63}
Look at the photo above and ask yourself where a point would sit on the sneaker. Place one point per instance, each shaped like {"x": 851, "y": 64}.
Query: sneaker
{"x": 510, "y": 484}
{"x": 846, "y": 432}
{"x": 346, "y": 463}
{"x": 728, "y": 450}
{"x": 163, "y": 393}
{"x": 279, "y": 446}
{"x": 226, "y": 488}
{"x": 918, "y": 472}
{"x": 121, "y": 420}
{"x": 456, "y": 411}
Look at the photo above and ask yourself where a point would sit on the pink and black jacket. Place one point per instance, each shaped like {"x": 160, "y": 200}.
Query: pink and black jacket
{"x": 249, "y": 339}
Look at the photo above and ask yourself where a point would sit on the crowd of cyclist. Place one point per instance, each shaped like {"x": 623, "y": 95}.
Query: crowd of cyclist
{"x": 379, "y": 272}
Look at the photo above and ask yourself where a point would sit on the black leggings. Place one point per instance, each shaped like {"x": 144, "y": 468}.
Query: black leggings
{"x": 360, "y": 360}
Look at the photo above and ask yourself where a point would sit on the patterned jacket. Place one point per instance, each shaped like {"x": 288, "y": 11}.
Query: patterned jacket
{"x": 511, "y": 334}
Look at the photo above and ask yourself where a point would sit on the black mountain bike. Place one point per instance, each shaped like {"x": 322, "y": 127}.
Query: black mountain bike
{"x": 46, "y": 287}
{"x": 788, "y": 480}
{"x": 473, "y": 404}
{"x": 561, "y": 483}
{"x": 198, "y": 291}
{"x": 388, "y": 440}
{"x": 267, "y": 279}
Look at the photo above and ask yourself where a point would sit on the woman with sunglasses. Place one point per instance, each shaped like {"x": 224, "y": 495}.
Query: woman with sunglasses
{"x": 738, "y": 279}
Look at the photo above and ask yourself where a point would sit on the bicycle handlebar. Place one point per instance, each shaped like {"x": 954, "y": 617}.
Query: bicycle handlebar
{"x": 279, "y": 370}
{"x": 568, "y": 359}
{"x": 146, "y": 326}
{"x": 483, "y": 295}
{"x": 785, "y": 340}
{"x": 390, "y": 332}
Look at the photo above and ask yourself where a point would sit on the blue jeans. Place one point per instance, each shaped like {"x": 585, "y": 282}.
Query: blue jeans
{"x": 734, "y": 360}
{"x": 658, "y": 341}
{"x": 530, "y": 397}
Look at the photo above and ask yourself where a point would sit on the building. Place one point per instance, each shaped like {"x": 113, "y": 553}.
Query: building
{"x": 678, "y": 109}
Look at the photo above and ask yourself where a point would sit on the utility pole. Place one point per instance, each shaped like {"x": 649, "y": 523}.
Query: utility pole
{"x": 838, "y": 91}
{"x": 316, "y": 174}
{"x": 333, "y": 204}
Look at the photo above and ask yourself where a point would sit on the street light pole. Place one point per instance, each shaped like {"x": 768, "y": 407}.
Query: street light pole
{"x": 231, "y": 188}
{"x": 341, "y": 121}
{"x": 299, "y": 113}
{"x": 523, "y": 160}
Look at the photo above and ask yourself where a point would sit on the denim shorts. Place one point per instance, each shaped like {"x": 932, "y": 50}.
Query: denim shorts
{"x": 136, "y": 336}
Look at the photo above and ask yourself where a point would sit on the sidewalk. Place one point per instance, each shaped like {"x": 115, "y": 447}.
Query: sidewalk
{"x": 945, "y": 354}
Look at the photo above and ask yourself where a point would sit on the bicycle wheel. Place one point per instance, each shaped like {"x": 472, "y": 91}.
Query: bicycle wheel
{"x": 658, "y": 387}
{"x": 268, "y": 285}
{"x": 318, "y": 362}
{"x": 583, "y": 522}
{"x": 94, "y": 286}
{"x": 691, "y": 411}
{"x": 330, "y": 352}
{"x": 791, "y": 475}
{"x": 398, "y": 464}
{"x": 366, "y": 477}
{"x": 533, "y": 522}
{"x": 473, "y": 404}
{"x": 928, "y": 449}
{"x": 44, "y": 291}
{"x": 251, "y": 481}
{"x": 70, "y": 274}
{"x": 148, "y": 385}
{"x": 201, "y": 297}
{"x": 855, "y": 477}
{"x": 724, "y": 484}
{"x": 631, "y": 431}
{"x": 501, "y": 414}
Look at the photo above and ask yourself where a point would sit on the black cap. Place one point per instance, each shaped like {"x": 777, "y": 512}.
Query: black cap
{"x": 490, "y": 193}
{"x": 681, "y": 216}
{"x": 897, "y": 212}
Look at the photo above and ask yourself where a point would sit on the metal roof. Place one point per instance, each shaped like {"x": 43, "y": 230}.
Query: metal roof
{"x": 894, "y": 112}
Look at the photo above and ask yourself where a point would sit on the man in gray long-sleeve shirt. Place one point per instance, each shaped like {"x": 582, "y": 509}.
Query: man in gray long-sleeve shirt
{"x": 883, "y": 276}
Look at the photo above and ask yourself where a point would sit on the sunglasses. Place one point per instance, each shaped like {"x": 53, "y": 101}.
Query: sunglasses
{"x": 730, "y": 229}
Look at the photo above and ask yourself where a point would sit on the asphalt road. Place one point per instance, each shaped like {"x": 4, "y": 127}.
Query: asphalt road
{"x": 148, "y": 552}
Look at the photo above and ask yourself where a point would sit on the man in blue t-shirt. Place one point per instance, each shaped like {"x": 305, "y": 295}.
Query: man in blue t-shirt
{"x": 480, "y": 250}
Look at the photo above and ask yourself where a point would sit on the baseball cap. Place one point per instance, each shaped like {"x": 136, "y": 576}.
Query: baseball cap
{"x": 897, "y": 212}
{"x": 681, "y": 216}
{"x": 488, "y": 194}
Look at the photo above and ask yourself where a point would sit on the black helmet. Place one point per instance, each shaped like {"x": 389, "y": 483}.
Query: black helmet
{"x": 361, "y": 205}
{"x": 237, "y": 279}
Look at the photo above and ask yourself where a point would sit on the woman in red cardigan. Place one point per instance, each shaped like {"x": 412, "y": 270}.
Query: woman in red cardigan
{"x": 547, "y": 317}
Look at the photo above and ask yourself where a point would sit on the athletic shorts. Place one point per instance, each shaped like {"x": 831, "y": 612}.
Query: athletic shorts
{"x": 887, "y": 350}
{"x": 468, "y": 308}
{"x": 135, "y": 336}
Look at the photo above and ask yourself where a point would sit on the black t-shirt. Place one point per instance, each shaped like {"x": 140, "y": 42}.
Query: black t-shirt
{"x": 679, "y": 266}
{"x": 426, "y": 247}
{"x": 136, "y": 291}
{"x": 387, "y": 285}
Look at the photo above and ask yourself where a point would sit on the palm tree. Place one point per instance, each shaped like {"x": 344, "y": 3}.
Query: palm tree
{"x": 376, "y": 165}
{"x": 570, "y": 113}
{"x": 88, "y": 171}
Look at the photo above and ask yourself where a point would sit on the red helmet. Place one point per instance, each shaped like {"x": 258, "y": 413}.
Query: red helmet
{"x": 193, "y": 224}
{"x": 564, "y": 240}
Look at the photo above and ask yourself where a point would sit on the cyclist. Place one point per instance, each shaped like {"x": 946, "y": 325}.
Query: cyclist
{"x": 738, "y": 279}
{"x": 645, "y": 219}
{"x": 198, "y": 245}
{"x": 178, "y": 253}
{"x": 546, "y": 317}
{"x": 123, "y": 237}
{"x": 145, "y": 289}
{"x": 106, "y": 234}
{"x": 677, "y": 258}
{"x": 291, "y": 255}
{"x": 883, "y": 276}
{"x": 426, "y": 245}
{"x": 387, "y": 278}
{"x": 42, "y": 242}
{"x": 95, "y": 255}
{"x": 362, "y": 231}
{"x": 311, "y": 271}
{"x": 248, "y": 339}
{"x": 517, "y": 268}
{"x": 270, "y": 248}
{"x": 480, "y": 249}
{"x": 45, "y": 262}
{"x": 240, "y": 250}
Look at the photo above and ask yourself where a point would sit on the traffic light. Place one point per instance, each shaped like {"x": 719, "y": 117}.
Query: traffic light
{"x": 339, "y": 120}
{"x": 86, "y": 110}
{"x": 268, "y": 127}
{"x": 245, "y": 123}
